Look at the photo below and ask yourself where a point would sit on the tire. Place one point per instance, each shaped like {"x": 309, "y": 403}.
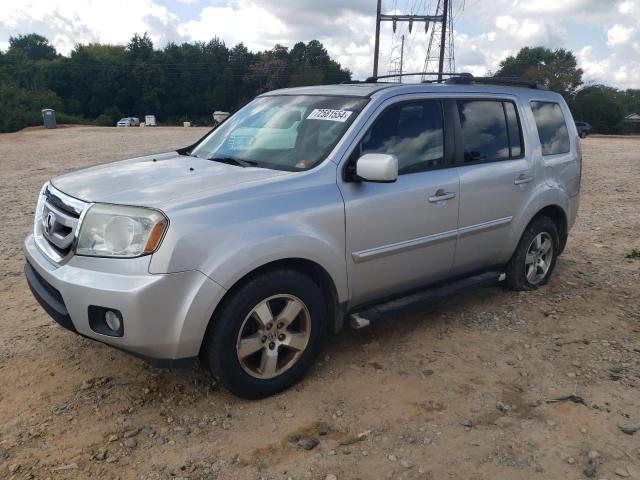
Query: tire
{"x": 242, "y": 324}
{"x": 541, "y": 230}
{"x": 583, "y": 134}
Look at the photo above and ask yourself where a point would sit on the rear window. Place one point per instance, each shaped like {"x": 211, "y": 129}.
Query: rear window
{"x": 552, "y": 129}
{"x": 490, "y": 130}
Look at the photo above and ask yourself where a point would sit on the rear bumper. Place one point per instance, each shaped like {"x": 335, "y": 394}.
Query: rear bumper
{"x": 164, "y": 316}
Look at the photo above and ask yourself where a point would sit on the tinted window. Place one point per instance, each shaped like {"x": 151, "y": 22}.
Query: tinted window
{"x": 513, "y": 129}
{"x": 411, "y": 131}
{"x": 552, "y": 129}
{"x": 484, "y": 130}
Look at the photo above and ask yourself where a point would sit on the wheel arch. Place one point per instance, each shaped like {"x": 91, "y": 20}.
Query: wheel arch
{"x": 303, "y": 265}
{"x": 552, "y": 210}
{"x": 559, "y": 217}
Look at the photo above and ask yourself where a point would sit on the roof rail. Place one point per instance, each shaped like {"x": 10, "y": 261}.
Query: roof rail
{"x": 514, "y": 81}
{"x": 462, "y": 78}
{"x": 424, "y": 74}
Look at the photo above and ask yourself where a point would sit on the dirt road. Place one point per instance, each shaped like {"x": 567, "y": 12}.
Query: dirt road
{"x": 458, "y": 392}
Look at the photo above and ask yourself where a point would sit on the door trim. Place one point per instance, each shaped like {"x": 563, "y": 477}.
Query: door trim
{"x": 484, "y": 226}
{"x": 407, "y": 245}
{"x": 404, "y": 246}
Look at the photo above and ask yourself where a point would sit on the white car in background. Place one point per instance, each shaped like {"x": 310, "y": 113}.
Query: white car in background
{"x": 128, "y": 122}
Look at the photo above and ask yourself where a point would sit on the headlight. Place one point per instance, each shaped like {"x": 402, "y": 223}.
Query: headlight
{"x": 120, "y": 231}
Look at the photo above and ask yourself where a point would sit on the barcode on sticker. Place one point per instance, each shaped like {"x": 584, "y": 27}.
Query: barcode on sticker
{"x": 329, "y": 114}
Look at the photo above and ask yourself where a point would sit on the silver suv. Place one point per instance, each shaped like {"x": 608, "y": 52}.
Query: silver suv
{"x": 307, "y": 208}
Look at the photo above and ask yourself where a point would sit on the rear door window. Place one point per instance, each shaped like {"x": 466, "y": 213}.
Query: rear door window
{"x": 484, "y": 130}
{"x": 552, "y": 128}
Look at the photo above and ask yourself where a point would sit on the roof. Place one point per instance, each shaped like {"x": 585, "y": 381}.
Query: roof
{"x": 391, "y": 89}
{"x": 632, "y": 117}
{"x": 346, "y": 89}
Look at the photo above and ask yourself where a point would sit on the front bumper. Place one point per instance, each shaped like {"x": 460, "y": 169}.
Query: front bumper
{"x": 165, "y": 316}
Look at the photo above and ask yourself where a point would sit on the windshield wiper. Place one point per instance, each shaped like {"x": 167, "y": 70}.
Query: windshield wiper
{"x": 234, "y": 161}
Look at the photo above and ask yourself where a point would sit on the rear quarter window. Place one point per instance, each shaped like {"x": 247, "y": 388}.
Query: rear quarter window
{"x": 552, "y": 128}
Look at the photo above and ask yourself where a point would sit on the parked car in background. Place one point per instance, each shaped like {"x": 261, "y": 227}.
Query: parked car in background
{"x": 308, "y": 208}
{"x": 128, "y": 122}
{"x": 583, "y": 129}
{"x": 150, "y": 121}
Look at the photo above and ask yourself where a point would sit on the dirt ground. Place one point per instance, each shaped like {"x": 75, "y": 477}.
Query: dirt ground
{"x": 457, "y": 392}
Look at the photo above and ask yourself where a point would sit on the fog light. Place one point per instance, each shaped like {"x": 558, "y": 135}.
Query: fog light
{"x": 112, "y": 320}
{"x": 106, "y": 321}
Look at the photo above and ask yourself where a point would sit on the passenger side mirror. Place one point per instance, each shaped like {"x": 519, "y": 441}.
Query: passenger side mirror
{"x": 377, "y": 167}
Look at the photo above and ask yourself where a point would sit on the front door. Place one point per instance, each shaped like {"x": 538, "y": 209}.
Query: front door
{"x": 402, "y": 235}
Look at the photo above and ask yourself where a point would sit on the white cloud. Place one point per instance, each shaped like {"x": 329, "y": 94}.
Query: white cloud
{"x": 618, "y": 34}
{"x": 485, "y": 32}
{"x": 67, "y": 22}
{"x": 256, "y": 27}
{"x": 627, "y": 7}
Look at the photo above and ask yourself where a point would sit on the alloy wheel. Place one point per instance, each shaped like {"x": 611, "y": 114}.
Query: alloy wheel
{"x": 273, "y": 336}
{"x": 539, "y": 257}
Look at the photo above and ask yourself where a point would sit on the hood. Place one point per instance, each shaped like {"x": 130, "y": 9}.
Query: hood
{"x": 155, "y": 179}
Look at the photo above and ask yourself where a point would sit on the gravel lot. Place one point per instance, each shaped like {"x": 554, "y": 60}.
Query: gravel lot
{"x": 460, "y": 391}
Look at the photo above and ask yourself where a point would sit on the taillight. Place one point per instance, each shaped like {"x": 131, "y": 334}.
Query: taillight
{"x": 579, "y": 152}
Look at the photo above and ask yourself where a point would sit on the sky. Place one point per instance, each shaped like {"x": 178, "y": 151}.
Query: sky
{"x": 603, "y": 34}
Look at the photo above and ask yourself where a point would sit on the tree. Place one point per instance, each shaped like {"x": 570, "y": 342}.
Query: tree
{"x": 33, "y": 47}
{"x": 601, "y": 106}
{"x": 98, "y": 83}
{"x": 555, "y": 69}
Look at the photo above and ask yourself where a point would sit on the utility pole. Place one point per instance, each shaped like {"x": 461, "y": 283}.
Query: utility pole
{"x": 401, "y": 57}
{"x": 380, "y": 17}
{"x": 376, "y": 51}
{"x": 443, "y": 36}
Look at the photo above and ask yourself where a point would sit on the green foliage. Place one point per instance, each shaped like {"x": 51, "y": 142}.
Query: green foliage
{"x": 21, "y": 108}
{"x": 601, "y": 106}
{"x": 102, "y": 83}
{"x": 32, "y": 47}
{"x": 555, "y": 69}
{"x": 635, "y": 253}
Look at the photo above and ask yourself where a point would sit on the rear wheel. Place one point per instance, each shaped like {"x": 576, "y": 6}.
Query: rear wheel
{"x": 267, "y": 334}
{"x": 535, "y": 257}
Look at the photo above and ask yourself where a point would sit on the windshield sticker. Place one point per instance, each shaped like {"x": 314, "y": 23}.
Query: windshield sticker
{"x": 329, "y": 114}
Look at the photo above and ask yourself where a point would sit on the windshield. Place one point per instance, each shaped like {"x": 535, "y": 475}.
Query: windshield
{"x": 282, "y": 132}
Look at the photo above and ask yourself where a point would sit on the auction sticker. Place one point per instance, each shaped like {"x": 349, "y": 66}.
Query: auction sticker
{"x": 329, "y": 114}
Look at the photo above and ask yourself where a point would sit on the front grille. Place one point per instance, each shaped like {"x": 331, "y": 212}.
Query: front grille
{"x": 57, "y": 221}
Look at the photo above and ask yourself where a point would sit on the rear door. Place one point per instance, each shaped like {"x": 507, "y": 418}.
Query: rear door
{"x": 401, "y": 235}
{"x": 496, "y": 179}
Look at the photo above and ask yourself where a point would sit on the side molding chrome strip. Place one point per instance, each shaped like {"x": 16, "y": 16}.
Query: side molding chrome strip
{"x": 484, "y": 227}
{"x": 406, "y": 245}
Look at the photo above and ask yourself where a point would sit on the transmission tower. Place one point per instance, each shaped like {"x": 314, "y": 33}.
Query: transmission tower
{"x": 440, "y": 54}
{"x": 410, "y": 19}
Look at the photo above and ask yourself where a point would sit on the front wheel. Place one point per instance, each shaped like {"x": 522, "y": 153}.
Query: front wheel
{"x": 535, "y": 257}
{"x": 267, "y": 334}
{"x": 583, "y": 134}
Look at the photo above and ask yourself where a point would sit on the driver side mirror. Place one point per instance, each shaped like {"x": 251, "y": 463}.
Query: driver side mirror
{"x": 377, "y": 167}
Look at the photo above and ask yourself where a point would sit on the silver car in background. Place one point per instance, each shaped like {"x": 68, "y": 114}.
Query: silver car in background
{"x": 308, "y": 207}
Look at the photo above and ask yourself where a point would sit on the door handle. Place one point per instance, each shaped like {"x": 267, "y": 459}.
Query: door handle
{"x": 522, "y": 179}
{"x": 441, "y": 196}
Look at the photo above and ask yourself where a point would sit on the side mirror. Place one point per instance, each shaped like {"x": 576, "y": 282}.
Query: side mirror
{"x": 377, "y": 167}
